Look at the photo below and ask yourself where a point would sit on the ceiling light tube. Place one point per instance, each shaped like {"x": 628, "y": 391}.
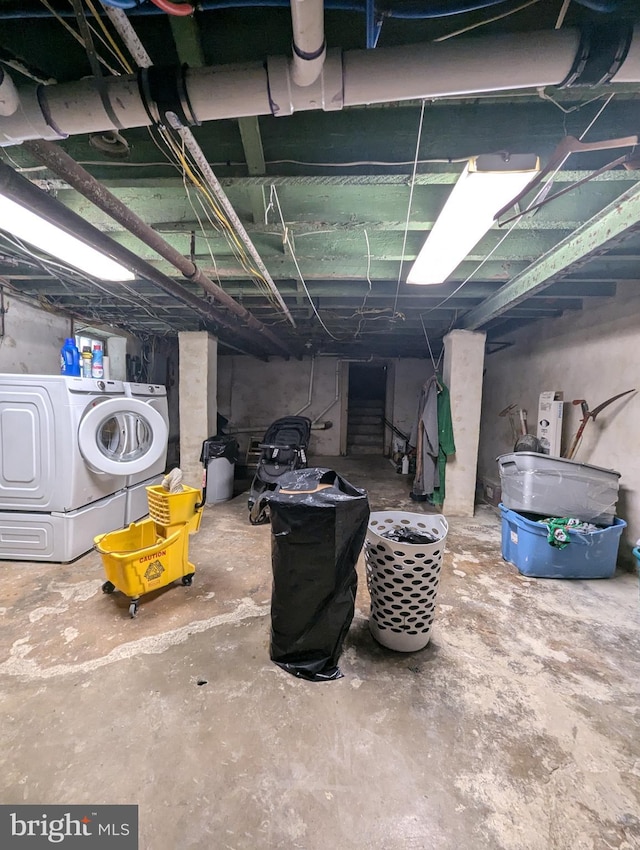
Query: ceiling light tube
{"x": 488, "y": 182}
{"x": 23, "y": 217}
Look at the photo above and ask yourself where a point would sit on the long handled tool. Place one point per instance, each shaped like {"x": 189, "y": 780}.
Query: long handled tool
{"x": 590, "y": 414}
{"x": 510, "y": 411}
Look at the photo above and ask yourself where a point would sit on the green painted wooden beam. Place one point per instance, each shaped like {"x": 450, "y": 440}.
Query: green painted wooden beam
{"x": 615, "y": 221}
{"x": 186, "y": 36}
{"x": 252, "y": 144}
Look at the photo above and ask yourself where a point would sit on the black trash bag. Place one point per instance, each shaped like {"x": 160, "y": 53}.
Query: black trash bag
{"x": 316, "y": 538}
{"x": 409, "y": 535}
{"x": 221, "y": 445}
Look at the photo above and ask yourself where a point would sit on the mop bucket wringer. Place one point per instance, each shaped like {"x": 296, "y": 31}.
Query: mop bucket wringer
{"x": 154, "y": 552}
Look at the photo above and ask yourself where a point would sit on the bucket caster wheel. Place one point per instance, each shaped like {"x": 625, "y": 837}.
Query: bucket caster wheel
{"x": 108, "y": 587}
{"x": 187, "y": 580}
{"x": 133, "y": 609}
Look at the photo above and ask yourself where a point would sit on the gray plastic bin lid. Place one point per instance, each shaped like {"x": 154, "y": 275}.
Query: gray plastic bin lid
{"x": 537, "y": 460}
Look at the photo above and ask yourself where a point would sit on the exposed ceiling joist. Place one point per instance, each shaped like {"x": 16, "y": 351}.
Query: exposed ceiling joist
{"x": 615, "y": 221}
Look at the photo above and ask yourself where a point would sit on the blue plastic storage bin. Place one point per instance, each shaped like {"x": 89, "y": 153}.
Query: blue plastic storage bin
{"x": 524, "y": 544}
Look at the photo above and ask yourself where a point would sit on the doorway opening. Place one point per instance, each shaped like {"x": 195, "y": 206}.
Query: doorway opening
{"x": 366, "y": 407}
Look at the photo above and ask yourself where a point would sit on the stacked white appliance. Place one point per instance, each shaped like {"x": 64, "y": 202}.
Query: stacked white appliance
{"x": 155, "y": 396}
{"x": 68, "y": 447}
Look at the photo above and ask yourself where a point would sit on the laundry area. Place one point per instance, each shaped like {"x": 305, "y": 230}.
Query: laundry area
{"x": 319, "y": 469}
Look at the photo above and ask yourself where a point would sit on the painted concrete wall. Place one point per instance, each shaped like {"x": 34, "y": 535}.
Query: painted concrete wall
{"x": 32, "y": 339}
{"x": 251, "y": 394}
{"x": 410, "y": 375}
{"x": 593, "y": 355}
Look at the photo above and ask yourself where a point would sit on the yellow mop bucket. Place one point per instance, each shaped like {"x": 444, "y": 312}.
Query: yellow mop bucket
{"x": 171, "y": 510}
{"x": 140, "y": 558}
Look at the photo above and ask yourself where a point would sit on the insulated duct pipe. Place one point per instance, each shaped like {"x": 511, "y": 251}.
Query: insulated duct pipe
{"x": 23, "y": 192}
{"x": 357, "y": 77}
{"x": 79, "y": 178}
{"x": 308, "y": 49}
{"x": 9, "y": 100}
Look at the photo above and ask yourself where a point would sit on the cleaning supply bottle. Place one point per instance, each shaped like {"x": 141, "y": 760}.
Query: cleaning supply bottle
{"x": 97, "y": 365}
{"x": 69, "y": 358}
{"x": 86, "y": 362}
{"x": 405, "y": 465}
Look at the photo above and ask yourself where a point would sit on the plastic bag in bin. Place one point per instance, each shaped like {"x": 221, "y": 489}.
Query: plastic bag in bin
{"x": 318, "y": 526}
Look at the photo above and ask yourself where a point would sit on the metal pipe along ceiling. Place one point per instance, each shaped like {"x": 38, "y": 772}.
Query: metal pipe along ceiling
{"x": 64, "y": 166}
{"x": 353, "y": 78}
{"x": 22, "y": 191}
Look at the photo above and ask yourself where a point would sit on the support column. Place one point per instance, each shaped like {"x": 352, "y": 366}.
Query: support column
{"x": 462, "y": 373}
{"x": 198, "y": 388}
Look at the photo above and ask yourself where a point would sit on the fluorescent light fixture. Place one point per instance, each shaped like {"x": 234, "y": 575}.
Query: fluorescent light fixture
{"x": 488, "y": 182}
{"x": 51, "y": 239}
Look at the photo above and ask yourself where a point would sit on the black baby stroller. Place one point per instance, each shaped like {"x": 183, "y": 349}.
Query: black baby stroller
{"x": 283, "y": 449}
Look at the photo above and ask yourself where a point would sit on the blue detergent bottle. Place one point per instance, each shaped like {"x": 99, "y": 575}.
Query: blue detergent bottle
{"x": 70, "y": 358}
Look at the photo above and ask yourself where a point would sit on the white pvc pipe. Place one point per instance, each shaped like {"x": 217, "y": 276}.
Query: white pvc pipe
{"x": 9, "y": 99}
{"x": 336, "y": 398}
{"x": 472, "y": 66}
{"x": 355, "y": 78}
{"x": 308, "y": 404}
{"x": 630, "y": 70}
{"x": 309, "y": 51}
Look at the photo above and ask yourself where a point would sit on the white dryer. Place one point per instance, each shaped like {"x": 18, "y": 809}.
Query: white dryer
{"x": 155, "y": 397}
{"x": 66, "y": 453}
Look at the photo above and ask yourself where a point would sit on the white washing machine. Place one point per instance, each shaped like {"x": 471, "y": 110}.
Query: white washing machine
{"x": 67, "y": 449}
{"x": 154, "y": 396}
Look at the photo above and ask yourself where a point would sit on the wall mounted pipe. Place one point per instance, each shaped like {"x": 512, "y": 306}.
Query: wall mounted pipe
{"x": 310, "y": 396}
{"x": 308, "y": 47}
{"x": 354, "y": 78}
{"x": 76, "y": 176}
{"x": 23, "y": 192}
{"x": 336, "y": 398}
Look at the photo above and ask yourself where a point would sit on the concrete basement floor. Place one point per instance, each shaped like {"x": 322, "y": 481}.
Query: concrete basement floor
{"x": 517, "y": 728}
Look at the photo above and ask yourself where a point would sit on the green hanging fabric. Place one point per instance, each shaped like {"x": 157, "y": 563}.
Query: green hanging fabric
{"x": 447, "y": 445}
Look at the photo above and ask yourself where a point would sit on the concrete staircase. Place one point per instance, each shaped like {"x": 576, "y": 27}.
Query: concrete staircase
{"x": 365, "y": 427}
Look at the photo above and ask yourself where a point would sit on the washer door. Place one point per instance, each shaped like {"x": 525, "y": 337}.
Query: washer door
{"x": 122, "y": 436}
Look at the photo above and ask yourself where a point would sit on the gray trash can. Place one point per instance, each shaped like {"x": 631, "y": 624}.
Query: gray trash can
{"x": 219, "y": 455}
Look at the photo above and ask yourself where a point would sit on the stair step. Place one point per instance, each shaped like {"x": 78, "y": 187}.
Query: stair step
{"x": 363, "y": 419}
{"x": 358, "y": 404}
{"x": 360, "y": 428}
{"x": 366, "y": 439}
{"x": 364, "y": 450}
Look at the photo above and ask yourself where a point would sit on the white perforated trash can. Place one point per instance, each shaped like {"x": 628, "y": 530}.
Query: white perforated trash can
{"x": 403, "y": 578}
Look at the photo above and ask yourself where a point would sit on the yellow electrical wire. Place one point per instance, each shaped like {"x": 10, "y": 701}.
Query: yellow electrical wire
{"x": 229, "y": 232}
{"x": 76, "y": 35}
{"x": 179, "y": 156}
{"x": 116, "y": 50}
{"x": 198, "y": 181}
